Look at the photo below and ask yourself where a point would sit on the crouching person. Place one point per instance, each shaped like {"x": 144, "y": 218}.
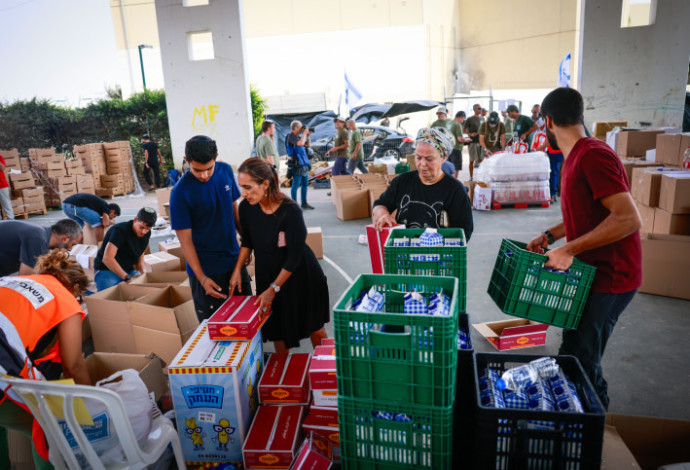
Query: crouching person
{"x": 121, "y": 256}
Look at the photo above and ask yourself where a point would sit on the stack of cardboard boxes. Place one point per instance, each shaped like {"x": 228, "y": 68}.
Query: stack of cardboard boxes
{"x": 49, "y": 171}
{"x": 26, "y": 197}
{"x": 661, "y": 190}
{"x": 354, "y": 195}
{"x": 110, "y": 166}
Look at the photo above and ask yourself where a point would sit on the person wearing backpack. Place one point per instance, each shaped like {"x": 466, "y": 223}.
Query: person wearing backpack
{"x": 295, "y": 143}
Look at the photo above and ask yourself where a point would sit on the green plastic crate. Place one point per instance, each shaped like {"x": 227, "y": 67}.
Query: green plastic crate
{"x": 413, "y": 361}
{"x": 368, "y": 442}
{"x": 520, "y": 286}
{"x": 452, "y": 262}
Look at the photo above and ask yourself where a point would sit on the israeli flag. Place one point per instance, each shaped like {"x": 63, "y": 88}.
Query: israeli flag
{"x": 563, "y": 72}
{"x": 352, "y": 94}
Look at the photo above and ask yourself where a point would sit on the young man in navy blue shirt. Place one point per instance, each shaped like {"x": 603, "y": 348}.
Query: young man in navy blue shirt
{"x": 203, "y": 212}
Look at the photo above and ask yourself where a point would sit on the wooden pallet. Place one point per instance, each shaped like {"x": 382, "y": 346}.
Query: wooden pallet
{"x": 497, "y": 205}
{"x": 108, "y": 194}
{"x": 26, "y": 215}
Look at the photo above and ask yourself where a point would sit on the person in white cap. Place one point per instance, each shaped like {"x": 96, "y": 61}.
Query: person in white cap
{"x": 442, "y": 119}
{"x": 340, "y": 145}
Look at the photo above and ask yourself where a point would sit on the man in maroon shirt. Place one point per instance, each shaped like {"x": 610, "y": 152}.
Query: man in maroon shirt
{"x": 600, "y": 224}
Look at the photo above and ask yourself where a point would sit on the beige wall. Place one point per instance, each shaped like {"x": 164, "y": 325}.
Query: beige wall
{"x": 140, "y": 19}
{"x": 515, "y": 45}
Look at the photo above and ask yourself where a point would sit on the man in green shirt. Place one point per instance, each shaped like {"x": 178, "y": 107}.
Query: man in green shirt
{"x": 492, "y": 135}
{"x": 356, "y": 152}
{"x": 442, "y": 119}
{"x": 340, "y": 145}
{"x": 508, "y": 123}
{"x": 472, "y": 129}
{"x": 266, "y": 146}
{"x": 455, "y": 156}
{"x": 524, "y": 126}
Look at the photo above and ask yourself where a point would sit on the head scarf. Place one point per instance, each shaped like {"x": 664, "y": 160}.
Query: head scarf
{"x": 438, "y": 138}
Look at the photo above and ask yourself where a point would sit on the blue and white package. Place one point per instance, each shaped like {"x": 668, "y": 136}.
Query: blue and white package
{"x": 383, "y": 415}
{"x": 490, "y": 395}
{"x": 402, "y": 242}
{"x": 463, "y": 340}
{"x": 431, "y": 237}
{"x": 420, "y": 257}
{"x": 539, "y": 395}
{"x": 516, "y": 399}
{"x": 402, "y": 418}
{"x": 372, "y": 302}
{"x": 439, "y": 304}
{"x": 415, "y": 304}
{"x": 453, "y": 242}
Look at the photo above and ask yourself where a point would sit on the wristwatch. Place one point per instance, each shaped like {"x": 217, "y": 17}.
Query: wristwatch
{"x": 127, "y": 277}
{"x": 275, "y": 287}
{"x": 550, "y": 237}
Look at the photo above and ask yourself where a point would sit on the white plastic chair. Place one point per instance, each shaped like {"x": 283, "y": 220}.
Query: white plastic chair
{"x": 137, "y": 457}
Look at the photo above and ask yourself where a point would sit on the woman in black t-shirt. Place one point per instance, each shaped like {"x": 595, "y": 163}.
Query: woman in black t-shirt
{"x": 291, "y": 284}
{"x": 426, "y": 197}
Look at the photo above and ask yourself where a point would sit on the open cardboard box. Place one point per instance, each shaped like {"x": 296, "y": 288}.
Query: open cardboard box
{"x": 163, "y": 320}
{"x": 150, "y": 368}
{"x": 161, "y": 261}
{"x": 161, "y": 279}
{"x": 513, "y": 334}
{"x": 111, "y": 327}
{"x": 652, "y": 441}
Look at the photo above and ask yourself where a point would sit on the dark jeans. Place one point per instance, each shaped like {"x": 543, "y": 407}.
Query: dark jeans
{"x": 156, "y": 174}
{"x": 340, "y": 166}
{"x": 300, "y": 181}
{"x": 354, "y": 164}
{"x": 588, "y": 341}
{"x": 555, "y": 160}
{"x": 204, "y": 304}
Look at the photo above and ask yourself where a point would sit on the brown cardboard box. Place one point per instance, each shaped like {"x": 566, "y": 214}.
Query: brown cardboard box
{"x": 21, "y": 180}
{"x": 161, "y": 279}
{"x": 163, "y": 197}
{"x": 161, "y": 261}
{"x": 412, "y": 162}
{"x": 601, "y": 128}
{"x": 112, "y": 181}
{"x": 163, "y": 321}
{"x": 37, "y": 153}
{"x": 28, "y": 193}
{"x": 174, "y": 247}
{"x": 375, "y": 192}
{"x": 635, "y": 143}
{"x": 665, "y": 261}
{"x": 629, "y": 164}
{"x": 9, "y": 153}
{"x": 109, "y": 317}
{"x": 353, "y": 204}
{"x": 341, "y": 182}
{"x": 670, "y": 148}
{"x": 666, "y": 223}
{"x": 654, "y": 442}
{"x": 377, "y": 169}
{"x": 645, "y": 185}
{"x": 471, "y": 185}
{"x": 85, "y": 255}
{"x": 674, "y": 195}
{"x": 647, "y": 216}
{"x": 150, "y": 367}
{"x": 18, "y": 205}
{"x": 315, "y": 241}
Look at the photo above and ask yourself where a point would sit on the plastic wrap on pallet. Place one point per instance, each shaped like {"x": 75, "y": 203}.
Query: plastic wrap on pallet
{"x": 520, "y": 192}
{"x": 508, "y": 167}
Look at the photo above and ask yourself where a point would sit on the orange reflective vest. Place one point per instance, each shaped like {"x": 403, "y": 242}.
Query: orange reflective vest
{"x": 35, "y": 305}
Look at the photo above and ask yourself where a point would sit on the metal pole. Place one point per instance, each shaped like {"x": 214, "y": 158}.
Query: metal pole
{"x": 141, "y": 62}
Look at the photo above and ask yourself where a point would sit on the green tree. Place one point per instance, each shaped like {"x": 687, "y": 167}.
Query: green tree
{"x": 258, "y": 108}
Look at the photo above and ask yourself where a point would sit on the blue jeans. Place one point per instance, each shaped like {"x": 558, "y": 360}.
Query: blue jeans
{"x": 105, "y": 279}
{"x": 555, "y": 160}
{"x": 353, "y": 164}
{"x": 300, "y": 180}
{"x": 339, "y": 167}
{"x": 588, "y": 341}
{"x": 82, "y": 215}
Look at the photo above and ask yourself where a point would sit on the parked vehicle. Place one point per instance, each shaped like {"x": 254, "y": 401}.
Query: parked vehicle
{"x": 377, "y": 141}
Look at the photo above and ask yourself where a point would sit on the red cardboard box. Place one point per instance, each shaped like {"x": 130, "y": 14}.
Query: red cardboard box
{"x": 323, "y": 425}
{"x": 273, "y": 438}
{"x": 377, "y": 241}
{"x": 312, "y": 456}
{"x": 513, "y": 334}
{"x": 322, "y": 369}
{"x": 236, "y": 320}
{"x": 328, "y": 342}
{"x": 285, "y": 379}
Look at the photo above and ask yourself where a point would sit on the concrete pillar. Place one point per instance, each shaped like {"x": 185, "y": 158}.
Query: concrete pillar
{"x": 634, "y": 74}
{"x": 209, "y": 97}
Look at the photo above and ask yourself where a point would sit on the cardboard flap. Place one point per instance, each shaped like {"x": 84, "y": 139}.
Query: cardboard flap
{"x": 295, "y": 369}
{"x": 274, "y": 369}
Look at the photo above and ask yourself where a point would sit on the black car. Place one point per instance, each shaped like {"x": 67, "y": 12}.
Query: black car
{"x": 377, "y": 141}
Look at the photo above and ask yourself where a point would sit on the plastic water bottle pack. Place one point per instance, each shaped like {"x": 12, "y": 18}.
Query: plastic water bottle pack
{"x": 537, "y": 385}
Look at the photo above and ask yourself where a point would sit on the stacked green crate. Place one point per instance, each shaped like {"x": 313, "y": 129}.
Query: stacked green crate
{"x": 452, "y": 260}
{"x": 396, "y": 375}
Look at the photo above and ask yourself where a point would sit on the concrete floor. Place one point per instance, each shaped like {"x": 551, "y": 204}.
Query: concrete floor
{"x": 646, "y": 362}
